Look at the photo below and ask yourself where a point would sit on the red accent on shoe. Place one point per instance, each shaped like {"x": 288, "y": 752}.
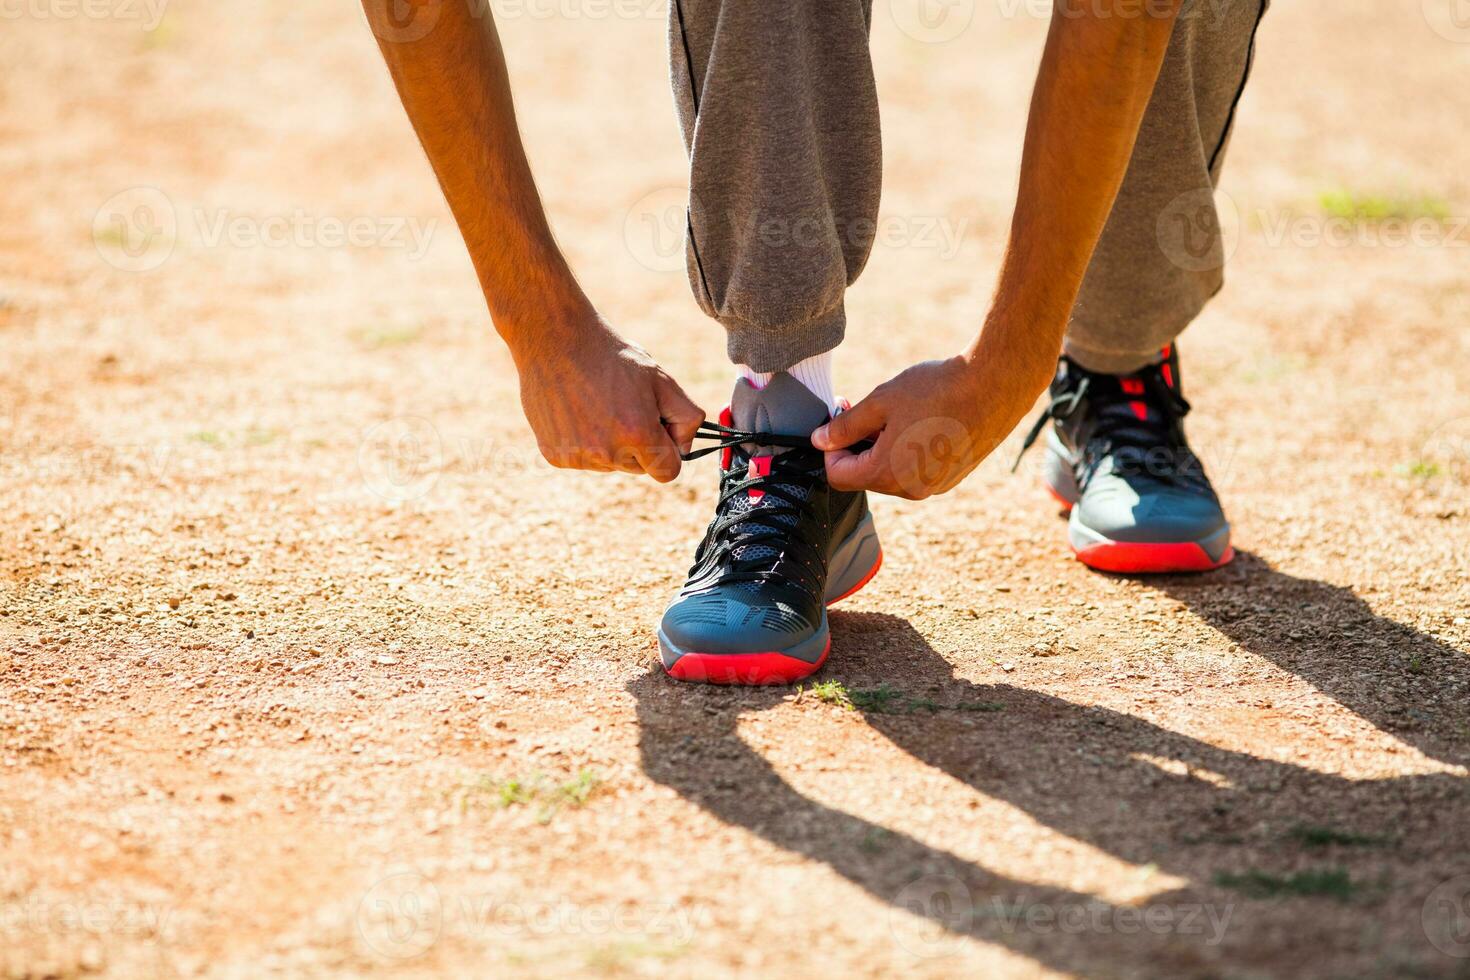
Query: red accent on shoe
{"x": 1066, "y": 504}
{"x": 865, "y": 580}
{"x": 1134, "y": 386}
{"x": 759, "y": 466}
{"x": 1135, "y": 558}
{"x": 727, "y": 419}
{"x": 745, "y": 669}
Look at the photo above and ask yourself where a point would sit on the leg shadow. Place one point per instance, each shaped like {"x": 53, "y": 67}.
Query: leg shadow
{"x": 1139, "y": 792}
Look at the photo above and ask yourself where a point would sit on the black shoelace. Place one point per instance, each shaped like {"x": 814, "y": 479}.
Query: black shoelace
{"x": 730, "y": 438}
{"x": 1154, "y": 446}
{"x": 782, "y": 521}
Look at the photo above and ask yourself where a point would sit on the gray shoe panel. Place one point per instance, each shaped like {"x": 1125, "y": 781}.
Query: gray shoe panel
{"x": 1147, "y": 511}
{"x": 682, "y": 633}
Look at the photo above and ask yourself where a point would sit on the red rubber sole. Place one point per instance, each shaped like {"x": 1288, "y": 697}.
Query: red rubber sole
{"x": 745, "y": 669}
{"x": 1133, "y": 558}
{"x": 757, "y": 669}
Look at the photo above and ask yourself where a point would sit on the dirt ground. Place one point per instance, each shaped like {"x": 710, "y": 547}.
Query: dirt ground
{"x": 309, "y": 667}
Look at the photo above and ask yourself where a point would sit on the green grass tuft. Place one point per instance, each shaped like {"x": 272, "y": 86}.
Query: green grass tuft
{"x": 1373, "y": 208}
{"x": 243, "y": 438}
{"x": 537, "y": 790}
{"x": 1316, "y": 835}
{"x": 375, "y": 338}
{"x": 886, "y": 700}
{"x": 879, "y": 699}
{"x": 1329, "y": 882}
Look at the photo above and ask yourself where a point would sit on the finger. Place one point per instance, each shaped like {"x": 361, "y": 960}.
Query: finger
{"x": 853, "y": 425}
{"x": 628, "y": 458}
{"x": 681, "y": 417}
{"x": 659, "y": 457}
{"x": 867, "y": 470}
{"x": 576, "y": 459}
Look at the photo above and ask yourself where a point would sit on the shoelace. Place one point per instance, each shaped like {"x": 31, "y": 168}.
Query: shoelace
{"x": 1133, "y": 440}
{"x": 785, "y": 508}
{"x": 776, "y": 522}
{"x": 730, "y": 438}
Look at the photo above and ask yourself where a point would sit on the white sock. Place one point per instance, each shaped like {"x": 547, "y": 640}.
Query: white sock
{"x": 815, "y": 373}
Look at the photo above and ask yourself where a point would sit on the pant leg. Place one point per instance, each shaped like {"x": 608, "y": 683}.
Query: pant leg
{"x": 1161, "y": 256}
{"x": 780, "y": 116}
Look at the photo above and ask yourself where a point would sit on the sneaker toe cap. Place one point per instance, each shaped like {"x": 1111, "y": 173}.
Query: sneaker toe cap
{"x": 728, "y": 621}
{"x": 1119, "y": 512}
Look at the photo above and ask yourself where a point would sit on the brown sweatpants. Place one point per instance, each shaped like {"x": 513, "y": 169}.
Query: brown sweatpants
{"x": 780, "y": 118}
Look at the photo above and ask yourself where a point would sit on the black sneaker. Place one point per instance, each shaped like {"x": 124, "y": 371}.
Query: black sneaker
{"x": 783, "y": 545}
{"x": 1117, "y": 458}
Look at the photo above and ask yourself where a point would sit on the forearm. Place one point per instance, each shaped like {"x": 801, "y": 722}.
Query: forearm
{"x": 1097, "y": 74}
{"x": 454, "y": 85}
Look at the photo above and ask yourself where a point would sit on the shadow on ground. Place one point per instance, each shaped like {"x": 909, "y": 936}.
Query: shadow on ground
{"x": 1323, "y": 865}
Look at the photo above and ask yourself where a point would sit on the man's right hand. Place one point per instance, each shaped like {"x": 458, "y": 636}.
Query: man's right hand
{"x": 598, "y": 402}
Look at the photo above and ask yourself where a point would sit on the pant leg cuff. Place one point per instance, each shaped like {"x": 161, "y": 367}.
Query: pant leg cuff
{"x": 775, "y": 348}
{"x": 1110, "y": 361}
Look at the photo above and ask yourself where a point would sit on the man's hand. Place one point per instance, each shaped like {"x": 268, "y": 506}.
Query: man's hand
{"x": 594, "y": 400}
{"x": 934, "y": 423}
{"x": 938, "y": 420}
{"x": 601, "y": 403}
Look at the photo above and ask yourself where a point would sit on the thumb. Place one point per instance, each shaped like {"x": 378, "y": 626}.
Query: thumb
{"x": 853, "y": 425}
{"x": 681, "y": 417}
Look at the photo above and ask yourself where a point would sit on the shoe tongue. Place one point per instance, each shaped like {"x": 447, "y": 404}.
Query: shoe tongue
{"x": 783, "y": 407}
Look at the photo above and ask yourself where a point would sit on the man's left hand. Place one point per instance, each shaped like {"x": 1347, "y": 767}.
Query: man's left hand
{"x": 934, "y": 423}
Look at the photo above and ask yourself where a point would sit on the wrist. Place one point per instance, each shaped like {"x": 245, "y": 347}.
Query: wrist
{"x": 1017, "y": 352}
{"x": 557, "y": 322}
